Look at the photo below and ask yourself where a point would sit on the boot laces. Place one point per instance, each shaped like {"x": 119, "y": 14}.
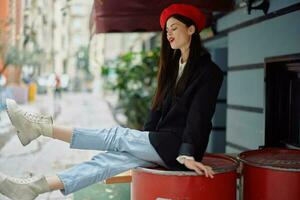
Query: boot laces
{"x": 34, "y": 117}
{"x": 23, "y": 180}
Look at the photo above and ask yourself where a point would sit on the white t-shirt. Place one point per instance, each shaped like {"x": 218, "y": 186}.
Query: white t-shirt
{"x": 181, "y": 158}
{"x": 180, "y": 69}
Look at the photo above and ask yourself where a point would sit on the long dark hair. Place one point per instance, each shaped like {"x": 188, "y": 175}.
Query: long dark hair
{"x": 169, "y": 61}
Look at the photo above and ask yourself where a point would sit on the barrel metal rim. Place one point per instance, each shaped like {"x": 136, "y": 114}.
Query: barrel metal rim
{"x": 217, "y": 170}
{"x": 268, "y": 167}
{"x": 242, "y": 158}
{"x": 179, "y": 173}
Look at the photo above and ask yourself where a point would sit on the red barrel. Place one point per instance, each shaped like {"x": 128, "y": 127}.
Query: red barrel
{"x": 160, "y": 184}
{"x": 271, "y": 174}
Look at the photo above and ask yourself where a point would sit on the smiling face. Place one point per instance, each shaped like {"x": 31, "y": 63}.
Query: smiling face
{"x": 178, "y": 34}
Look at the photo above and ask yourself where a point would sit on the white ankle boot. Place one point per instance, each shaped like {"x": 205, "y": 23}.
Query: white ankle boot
{"x": 23, "y": 189}
{"x": 29, "y": 125}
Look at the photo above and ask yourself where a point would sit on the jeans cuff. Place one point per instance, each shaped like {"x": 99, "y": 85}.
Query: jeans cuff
{"x": 66, "y": 189}
{"x": 73, "y": 139}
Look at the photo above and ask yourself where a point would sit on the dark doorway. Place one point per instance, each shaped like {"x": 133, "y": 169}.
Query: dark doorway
{"x": 282, "y": 102}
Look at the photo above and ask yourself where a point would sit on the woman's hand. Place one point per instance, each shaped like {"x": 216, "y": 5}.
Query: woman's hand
{"x": 199, "y": 168}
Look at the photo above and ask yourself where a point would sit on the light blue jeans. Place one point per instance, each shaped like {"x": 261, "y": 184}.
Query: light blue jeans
{"x": 124, "y": 149}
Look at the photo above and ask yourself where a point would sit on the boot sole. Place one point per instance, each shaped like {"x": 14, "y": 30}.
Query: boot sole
{"x": 24, "y": 141}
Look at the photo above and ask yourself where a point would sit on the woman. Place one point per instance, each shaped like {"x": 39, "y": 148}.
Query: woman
{"x": 175, "y": 135}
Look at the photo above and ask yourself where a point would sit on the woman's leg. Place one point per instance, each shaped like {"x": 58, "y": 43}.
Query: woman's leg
{"x": 54, "y": 183}
{"x": 99, "y": 168}
{"x": 62, "y": 133}
{"x": 117, "y": 139}
{"x": 31, "y": 126}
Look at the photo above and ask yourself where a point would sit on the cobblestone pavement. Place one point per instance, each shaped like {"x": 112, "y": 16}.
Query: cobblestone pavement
{"x": 47, "y": 156}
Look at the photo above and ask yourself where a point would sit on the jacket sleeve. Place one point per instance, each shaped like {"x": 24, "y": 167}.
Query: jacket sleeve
{"x": 152, "y": 120}
{"x": 200, "y": 114}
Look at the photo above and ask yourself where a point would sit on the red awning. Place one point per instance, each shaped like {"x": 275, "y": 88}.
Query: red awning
{"x": 143, "y": 15}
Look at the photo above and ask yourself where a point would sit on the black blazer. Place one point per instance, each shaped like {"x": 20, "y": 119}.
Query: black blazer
{"x": 182, "y": 126}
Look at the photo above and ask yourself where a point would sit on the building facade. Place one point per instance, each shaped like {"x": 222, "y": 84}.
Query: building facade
{"x": 241, "y": 47}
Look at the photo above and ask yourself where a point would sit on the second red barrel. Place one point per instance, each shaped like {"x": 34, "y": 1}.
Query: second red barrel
{"x": 271, "y": 174}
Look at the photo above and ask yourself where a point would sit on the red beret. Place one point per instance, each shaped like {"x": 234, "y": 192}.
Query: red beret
{"x": 186, "y": 10}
